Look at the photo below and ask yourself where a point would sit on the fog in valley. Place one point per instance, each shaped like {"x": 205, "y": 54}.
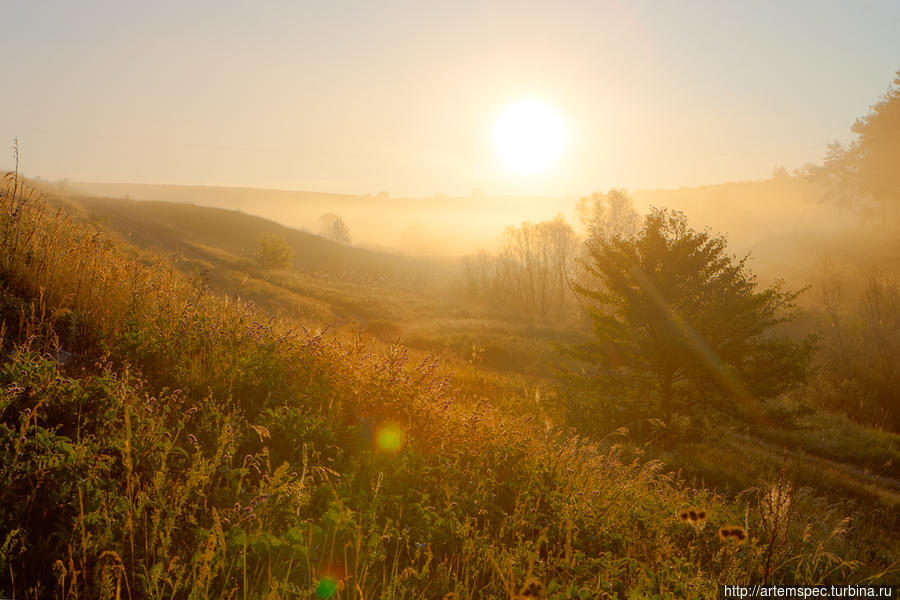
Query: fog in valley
{"x": 462, "y": 301}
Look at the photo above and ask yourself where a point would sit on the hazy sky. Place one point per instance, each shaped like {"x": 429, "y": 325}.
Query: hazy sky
{"x": 402, "y": 96}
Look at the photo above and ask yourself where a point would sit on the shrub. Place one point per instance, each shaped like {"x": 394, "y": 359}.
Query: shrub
{"x": 274, "y": 252}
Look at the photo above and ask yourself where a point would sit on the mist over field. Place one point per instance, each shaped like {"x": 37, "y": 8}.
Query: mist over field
{"x": 460, "y": 301}
{"x": 751, "y": 213}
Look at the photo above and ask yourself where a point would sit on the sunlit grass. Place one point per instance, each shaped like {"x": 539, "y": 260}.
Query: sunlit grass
{"x": 196, "y": 447}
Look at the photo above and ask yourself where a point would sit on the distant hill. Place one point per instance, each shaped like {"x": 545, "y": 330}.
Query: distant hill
{"x": 437, "y": 225}
{"x": 851, "y": 255}
{"x": 172, "y": 227}
{"x": 749, "y": 212}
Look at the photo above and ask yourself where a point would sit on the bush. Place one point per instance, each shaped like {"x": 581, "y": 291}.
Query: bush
{"x": 274, "y": 252}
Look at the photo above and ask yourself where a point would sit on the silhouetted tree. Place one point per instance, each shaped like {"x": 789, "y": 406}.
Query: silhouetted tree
{"x": 608, "y": 215}
{"x": 604, "y": 216}
{"x": 679, "y": 323}
{"x": 530, "y": 273}
{"x": 866, "y": 170}
{"x": 860, "y": 355}
{"x": 274, "y": 252}
{"x": 533, "y": 265}
{"x": 335, "y": 229}
{"x": 780, "y": 173}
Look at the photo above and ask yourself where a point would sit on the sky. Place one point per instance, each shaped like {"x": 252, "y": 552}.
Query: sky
{"x": 364, "y": 96}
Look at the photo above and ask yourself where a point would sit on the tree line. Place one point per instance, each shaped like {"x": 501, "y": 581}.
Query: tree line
{"x": 864, "y": 175}
{"x": 536, "y": 263}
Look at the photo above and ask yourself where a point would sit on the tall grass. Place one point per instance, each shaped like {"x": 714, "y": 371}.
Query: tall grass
{"x": 157, "y": 440}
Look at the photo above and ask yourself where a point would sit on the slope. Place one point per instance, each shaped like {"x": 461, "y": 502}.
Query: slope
{"x": 252, "y": 458}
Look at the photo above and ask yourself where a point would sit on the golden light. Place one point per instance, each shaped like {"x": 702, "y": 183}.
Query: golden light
{"x": 529, "y": 136}
{"x": 389, "y": 438}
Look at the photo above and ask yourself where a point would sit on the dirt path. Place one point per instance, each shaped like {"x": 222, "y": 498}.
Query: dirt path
{"x": 886, "y": 489}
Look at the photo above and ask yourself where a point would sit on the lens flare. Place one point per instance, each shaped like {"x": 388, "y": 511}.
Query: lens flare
{"x": 389, "y": 438}
{"x": 327, "y": 588}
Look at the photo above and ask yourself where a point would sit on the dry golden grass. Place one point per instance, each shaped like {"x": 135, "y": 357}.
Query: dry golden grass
{"x": 221, "y": 453}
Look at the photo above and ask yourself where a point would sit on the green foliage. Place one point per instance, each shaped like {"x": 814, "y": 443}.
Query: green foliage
{"x": 833, "y": 435}
{"x": 680, "y": 324}
{"x": 274, "y": 252}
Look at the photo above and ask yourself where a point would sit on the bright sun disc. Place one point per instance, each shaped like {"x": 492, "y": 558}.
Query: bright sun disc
{"x": 529, "y": 136}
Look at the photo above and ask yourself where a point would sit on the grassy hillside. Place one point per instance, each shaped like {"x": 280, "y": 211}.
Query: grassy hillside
{"x": 171, "y": 227}
{"x": 415, "y": 300}
{"x": 159, "y": 439}
{"x": 433, "y": 316}
{"x": 502, "y": 352}
{"x": 436, "y": 225}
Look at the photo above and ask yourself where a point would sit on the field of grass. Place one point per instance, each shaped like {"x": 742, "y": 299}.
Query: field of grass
{"x": 161, "y": 438}
{"x": 433, "y": 318}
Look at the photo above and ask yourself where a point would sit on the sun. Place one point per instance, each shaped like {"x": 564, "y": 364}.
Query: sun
{"x": 529, "y": 136}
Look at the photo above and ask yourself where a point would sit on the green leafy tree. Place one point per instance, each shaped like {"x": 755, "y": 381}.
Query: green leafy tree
{"x": 679, "y": 325}
{"x": 274, "y": 252}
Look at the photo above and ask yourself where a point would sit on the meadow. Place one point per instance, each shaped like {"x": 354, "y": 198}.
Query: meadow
{"x": 175, "y": 422}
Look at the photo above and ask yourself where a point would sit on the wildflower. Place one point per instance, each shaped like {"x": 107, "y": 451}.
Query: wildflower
{"x": 694, "y": 516}
{"x": 733, "y": 532}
